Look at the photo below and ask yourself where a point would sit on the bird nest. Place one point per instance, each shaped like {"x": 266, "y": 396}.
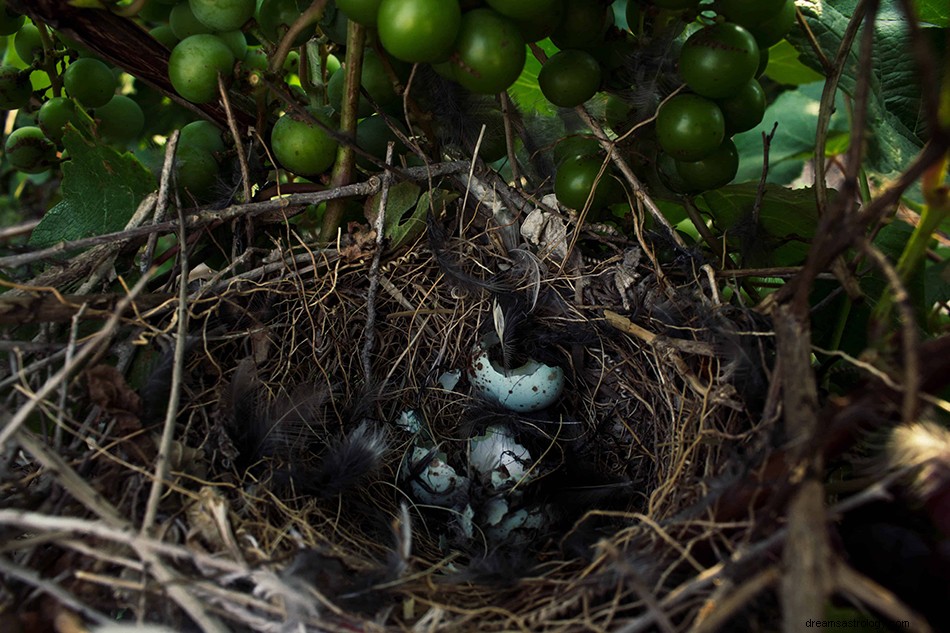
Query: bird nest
{"x": 272, "y": 458}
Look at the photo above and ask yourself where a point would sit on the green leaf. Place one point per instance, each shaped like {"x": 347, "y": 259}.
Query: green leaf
{"x": 796, "y": 113}
{"x": 936, "y": 12}
{"x": 894, "y": 103}
{"x": 785, "y": 67}
{"x": 526, "y": 92}
{"x": 787, "y": 221}
{"x": 101, "y": 190}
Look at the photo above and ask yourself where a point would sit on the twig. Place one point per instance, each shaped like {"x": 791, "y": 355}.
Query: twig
{"x": 209, "y": 216}
{"x": 171, "y": 414}
{"x": 827, "y": 103}
{"x": 510, "y": 138}
{"x": 164, "y": 186}
{"x": 638, "y": 189}
{"x": 30, "y": 577}
{"x": 98, "y": 340}
{"x": 760, "y": 189}
{"x": 308, "y": 17}
{"x": 238, "y": 143}
{"x": 909, "y": 343}
{"x": 729, "y": 600}
{"x": 369, "y": 332}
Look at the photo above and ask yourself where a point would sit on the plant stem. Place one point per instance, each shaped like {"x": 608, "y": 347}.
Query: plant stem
{"x": 343, "y": 169}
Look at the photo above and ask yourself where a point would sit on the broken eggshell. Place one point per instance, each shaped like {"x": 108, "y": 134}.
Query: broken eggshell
{"x": 531, "y": 387}
{"x": 497, "y": 458}
{"x": 439, "y": 484}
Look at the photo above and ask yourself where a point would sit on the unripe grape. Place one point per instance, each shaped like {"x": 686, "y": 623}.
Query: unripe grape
{"x": 302, "y": 147}
{"x": 197, "y": 171}
{"x": 121, "y": 120}
{"x": 745, "y": 109}
{"x": 772, "y": 30}
{"x": 236, "y": 41}
{"x": 747, "y": 12}
{"x": 203, "y": 134}
{"x": 27, "y": 42}
{"x": 222, "y": 15}
{"x": 194, "y": 65}
{"x": 10, "y": 22}
{"x": 184, "y": 23}
{"x": 689, "y": 127}
{"x": 569, "y": 78}
{"x": 15, "y": 88}
{"x": 164, "y": 35}
{"x": 717, "y": 60}
{"x": 29, "y": 151}
{"x": 715, "y": 171}
{"x": 90, "y": 82}
{"x": 360, "y": 11}
{"x": 584, "y": 24}
{"x": 54, "y": 115}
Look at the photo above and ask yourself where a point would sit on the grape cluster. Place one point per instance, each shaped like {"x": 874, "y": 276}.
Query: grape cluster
{"x": 683, "y": 73}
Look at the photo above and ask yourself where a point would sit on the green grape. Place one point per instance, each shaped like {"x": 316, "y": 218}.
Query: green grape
{"x": 745, "y": 109}
{"x": 15, "y": 88}
{"x": 489, "y": 52}
{"x": 164, "y": 35}
{"x": 746, "y": 12}
{"x": 203, "y": 134}
{"x": 360, "y": 11}
{"x": 540, "y": 27}
{"x": 712, "y": 172}
{"x": 335, "y": 96}
{"x": 184, "y": 23}
{"x": 121, "y": 120}
{"x": 29, "y": 151}
{"x": 197, "y": 171}
{"x": 717, "y": 60}
{"x": 569, "y": 78}
{"x": 90, "y": 82}
{"x": 522, "y": 9}
{"x": 54, "y": 115}
{"x": 578, "y": 145}
{"x": 372, "y": 135}
{"x": 276, "y": 16}
{"x": 10, "y": 22}
{"x": 689, "y": 127}
{"x": 28, "y": 43}
{"x": 222, "y": 15}
{"x": 418, "y": 30}
{"x": 236, "y": 41}
{"x": 194, "y": 65}
{"x": 155, "y": 12}
{"x": 577, "y": 176}
{"x": 583, "y": 25}
{"x": 772, "y": 30}
{"x": 303, "y": 147}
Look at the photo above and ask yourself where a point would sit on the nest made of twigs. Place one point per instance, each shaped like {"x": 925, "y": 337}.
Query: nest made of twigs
{"x": 651, "y": 415}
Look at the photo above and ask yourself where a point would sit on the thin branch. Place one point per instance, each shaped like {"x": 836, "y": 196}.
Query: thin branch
{"x": 171, "y": 414}
{"x": 369, "y": 331}
{"x": 209, "y": 216}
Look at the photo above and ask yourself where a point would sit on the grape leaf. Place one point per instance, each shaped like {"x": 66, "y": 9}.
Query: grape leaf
{"x": 785, "y": 67}
{"x": 526, "y": 92}
{"x": 894, "y": 103}
{"x": 936, "y": 12}
{"x": 101, "y": 190}
{"x": 787, "y": 221}
{"x": 796, "y": 113}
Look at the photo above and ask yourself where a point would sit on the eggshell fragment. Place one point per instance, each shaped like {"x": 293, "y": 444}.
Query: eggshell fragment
{"x": 531, "y": 387}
